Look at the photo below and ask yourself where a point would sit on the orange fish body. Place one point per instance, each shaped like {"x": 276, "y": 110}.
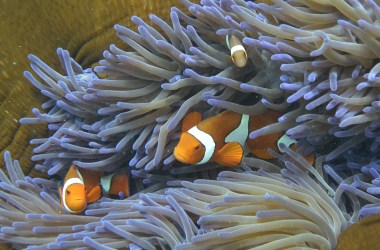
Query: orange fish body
{"x": 83, "y": 186}
{"x": 221, "y": 138}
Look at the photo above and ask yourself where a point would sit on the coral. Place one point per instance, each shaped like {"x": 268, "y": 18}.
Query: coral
{"x": 361, "y": 235}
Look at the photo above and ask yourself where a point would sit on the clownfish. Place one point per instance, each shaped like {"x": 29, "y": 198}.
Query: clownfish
{"x": 82, "y": 186}
{"x": 238, "y": 53}
{"x": 221, "y": 138}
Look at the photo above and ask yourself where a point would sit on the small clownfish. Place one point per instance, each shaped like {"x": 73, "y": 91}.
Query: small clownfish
{"x": 221, "y": 138}
{"x": 238, "y": 53}
{"x": 83, "y": 186}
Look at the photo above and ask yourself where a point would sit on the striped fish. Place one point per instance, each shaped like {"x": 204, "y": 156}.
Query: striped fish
{"x": 221, "y": 138}
{"x": 83, "y": 186}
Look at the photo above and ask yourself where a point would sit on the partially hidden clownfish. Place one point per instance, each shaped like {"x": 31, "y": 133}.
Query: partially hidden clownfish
{"x": 221, "y": 138}
{"x": 238, "y": 53}
{"x": 82, "y": 186}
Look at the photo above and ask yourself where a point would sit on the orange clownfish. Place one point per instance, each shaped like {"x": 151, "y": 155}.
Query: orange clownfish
{"x": 221, "y": 138}
{"x": 82, "y": 186}
{"x": 238, "y": 53}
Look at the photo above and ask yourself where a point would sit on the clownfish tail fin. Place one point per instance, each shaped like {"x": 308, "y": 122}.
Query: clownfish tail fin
{"x": 191, "y": 119}
{"x": 113, "y": 184}
{"x": 230, "y": 155}
{"x": 120, "y": 183}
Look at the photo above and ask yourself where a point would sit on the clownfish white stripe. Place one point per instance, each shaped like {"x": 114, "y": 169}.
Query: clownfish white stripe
{"x": 206, "y": 140}
{"x": 237, "y": 48}
{"x": 228, "y": 42}
{"x": 240, "y": 133}
{"x": 65, "y": 186}
{"x": 286, "y": 140}
{"x": 105, "y": 182}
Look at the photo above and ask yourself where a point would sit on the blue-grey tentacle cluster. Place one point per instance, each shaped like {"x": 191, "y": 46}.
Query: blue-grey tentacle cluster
{"x": 137, "y": 108}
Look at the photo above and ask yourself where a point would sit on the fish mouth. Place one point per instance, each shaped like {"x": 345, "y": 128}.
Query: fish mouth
{"x": 181, "y": 157}
{"x": 78, "y": 201}
{"x": 77, "y": 205}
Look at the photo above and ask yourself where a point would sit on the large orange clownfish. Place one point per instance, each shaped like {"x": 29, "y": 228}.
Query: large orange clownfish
{"x": 82, "y": 186}
{"x": 221, "y": 138}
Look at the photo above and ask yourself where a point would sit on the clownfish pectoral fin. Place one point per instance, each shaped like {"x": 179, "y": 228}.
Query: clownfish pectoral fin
{"x": 94, "y": 194}
{"x": 191, "y": 119}
{"x": 230, "y": 155}
{"x": 60, "y": 194}
{"x": 60, "y": 198}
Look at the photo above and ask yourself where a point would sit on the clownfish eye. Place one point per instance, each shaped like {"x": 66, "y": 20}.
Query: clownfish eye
{"x": 197, "y": 147}
{"x": 67, "y": 192}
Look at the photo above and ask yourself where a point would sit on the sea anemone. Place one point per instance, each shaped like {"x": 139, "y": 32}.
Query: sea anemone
{"x": 329, "y": 51}
{"x": 247, "y": 208}
{"x": 172, "y": 69}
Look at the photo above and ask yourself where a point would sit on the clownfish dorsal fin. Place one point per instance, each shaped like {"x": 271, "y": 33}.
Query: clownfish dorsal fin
{"x": 191, "y": 119}
{"x": 230, "y": 155}
{"x": 94, "y": 194}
